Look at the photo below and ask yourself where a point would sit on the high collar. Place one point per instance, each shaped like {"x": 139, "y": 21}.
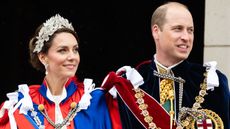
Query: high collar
{"x": 70, "y": 87}
{"x": 164, "y": 67}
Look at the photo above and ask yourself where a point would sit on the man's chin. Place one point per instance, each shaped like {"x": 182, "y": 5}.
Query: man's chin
{"x": 183, "y": 56}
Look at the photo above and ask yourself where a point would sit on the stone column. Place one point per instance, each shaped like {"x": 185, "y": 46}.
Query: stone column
{"x": 217, "y": 34}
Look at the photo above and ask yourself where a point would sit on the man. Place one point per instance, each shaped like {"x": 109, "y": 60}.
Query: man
{"x": 175, "y": 93}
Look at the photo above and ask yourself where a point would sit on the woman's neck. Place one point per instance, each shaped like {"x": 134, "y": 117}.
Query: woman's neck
{"x": 55, "y": 85}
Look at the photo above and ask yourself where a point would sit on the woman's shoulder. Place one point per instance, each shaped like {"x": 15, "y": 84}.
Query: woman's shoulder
{"x": 98, "y": 91}
{"x": 34, "y": 88}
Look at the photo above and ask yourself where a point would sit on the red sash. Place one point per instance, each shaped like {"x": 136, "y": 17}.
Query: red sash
{"x": 125, "y": 90}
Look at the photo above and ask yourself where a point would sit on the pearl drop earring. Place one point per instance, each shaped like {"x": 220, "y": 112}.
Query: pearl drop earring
{"x": 46, "y": 66}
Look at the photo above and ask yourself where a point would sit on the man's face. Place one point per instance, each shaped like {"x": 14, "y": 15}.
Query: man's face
{"x": 175, "y": 41}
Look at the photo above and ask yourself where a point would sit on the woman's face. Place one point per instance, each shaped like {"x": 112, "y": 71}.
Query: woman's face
{"x": 63, "y": 56}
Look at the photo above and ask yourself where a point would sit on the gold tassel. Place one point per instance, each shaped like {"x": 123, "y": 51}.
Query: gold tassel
{"x": 171, "y": 112}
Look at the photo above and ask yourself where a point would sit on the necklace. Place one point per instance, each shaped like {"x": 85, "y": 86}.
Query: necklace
{"x": 176, "y": 79}
{"x": 168, "y": 76}
{"x": 187, "y": 115}
{"x": 72, "y": 113}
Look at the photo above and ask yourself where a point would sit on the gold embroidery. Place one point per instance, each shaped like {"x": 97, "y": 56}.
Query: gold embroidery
{"x": 167, "y": 93}
{"x": 187, "y": 116}
{"x": 215, "y": 118}
{"x": 218, "y": 123}
{"x": 166, "y": 90}
{"x": 196, "y": 113}
{"x": 143, "y": 107}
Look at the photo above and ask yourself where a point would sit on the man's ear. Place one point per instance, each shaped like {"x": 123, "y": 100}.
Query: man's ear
{"x": 155, "y": 31}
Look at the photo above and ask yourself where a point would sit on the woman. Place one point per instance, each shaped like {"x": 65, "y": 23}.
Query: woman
{"x": 61, "y": 101}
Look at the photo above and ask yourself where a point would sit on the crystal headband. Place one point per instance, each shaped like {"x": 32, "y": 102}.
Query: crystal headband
{"x": 49, "y": 27}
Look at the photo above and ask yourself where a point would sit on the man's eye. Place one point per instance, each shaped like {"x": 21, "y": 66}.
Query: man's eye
{"x": 191, "y": 30}
{"x": 177, "y": 28}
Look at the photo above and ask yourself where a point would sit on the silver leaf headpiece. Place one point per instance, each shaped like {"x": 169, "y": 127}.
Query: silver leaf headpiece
{"x": 49, "y": 27}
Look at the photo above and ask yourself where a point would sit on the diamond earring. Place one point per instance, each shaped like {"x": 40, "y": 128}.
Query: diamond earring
{"x": 46, "y": 66}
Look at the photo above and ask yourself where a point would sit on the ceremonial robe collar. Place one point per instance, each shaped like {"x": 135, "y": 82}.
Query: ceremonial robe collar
{"x": 70, "y": 88}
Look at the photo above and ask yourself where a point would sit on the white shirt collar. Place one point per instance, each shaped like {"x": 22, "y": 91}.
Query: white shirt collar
{"x": 59, "y": 98}
{"x": 166, "y": 68}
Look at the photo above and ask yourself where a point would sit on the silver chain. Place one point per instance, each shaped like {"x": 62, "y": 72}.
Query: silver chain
{"x": 168, "y": 76}
{"x": 65, "y": 121}
{"x": 181, "y": 90}
{"x": 192, "y": 112}
{"x": 176, "y": 79}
